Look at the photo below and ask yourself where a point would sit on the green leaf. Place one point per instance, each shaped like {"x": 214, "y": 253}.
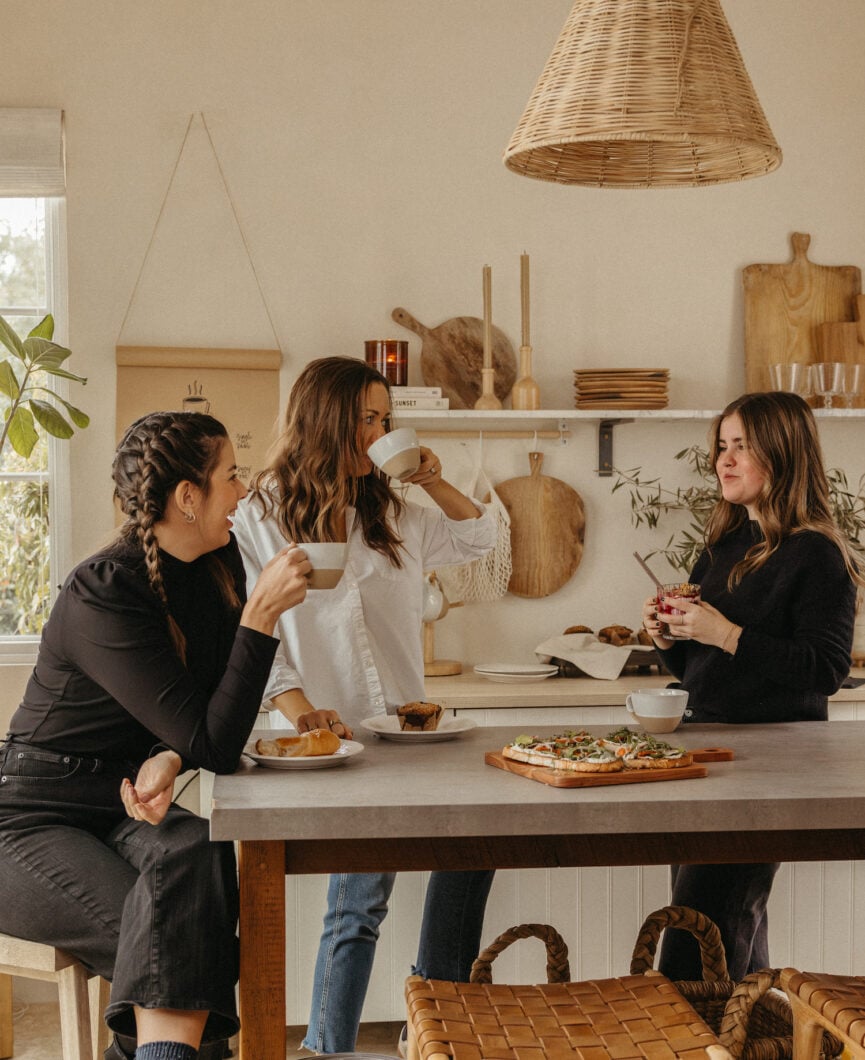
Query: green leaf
{"x": 61, "y": 373}
{"x": 9, "y": 384}
{"x": 44, "y": 329}
{"x": 45, "y": 354}
{"x": 79, "y": 418}
{"x": 50, "y": 419}
{"x": 22, "y": 434}
{"x": 10, "y": 339}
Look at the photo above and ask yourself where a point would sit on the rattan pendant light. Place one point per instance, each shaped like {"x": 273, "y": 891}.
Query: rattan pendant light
{"x": 644, "y": 94}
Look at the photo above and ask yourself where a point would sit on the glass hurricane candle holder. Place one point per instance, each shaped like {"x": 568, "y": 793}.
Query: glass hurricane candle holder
{"x": 390, "y": 357}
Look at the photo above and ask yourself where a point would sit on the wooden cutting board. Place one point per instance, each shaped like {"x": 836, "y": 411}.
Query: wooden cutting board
{"x": 548, "y": 527}
{"x": 785, "y": 306}
{"x": 556, "y": 778}
{"x": 452, "y": 356}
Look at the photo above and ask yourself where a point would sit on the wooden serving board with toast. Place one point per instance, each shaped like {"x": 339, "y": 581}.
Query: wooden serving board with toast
{"x": 558, "y": 778}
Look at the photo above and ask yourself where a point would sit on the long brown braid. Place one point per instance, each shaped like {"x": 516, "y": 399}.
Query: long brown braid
{"x": 157, "y": 452}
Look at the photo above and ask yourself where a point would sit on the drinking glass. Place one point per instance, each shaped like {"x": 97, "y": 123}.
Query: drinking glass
{"x": 795, "y": 378}
{"x": 854, "y": 376}
{"x": 829, "y": 380}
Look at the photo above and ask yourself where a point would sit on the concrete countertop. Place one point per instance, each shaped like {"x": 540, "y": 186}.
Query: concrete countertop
{"x": 798, "y": 776}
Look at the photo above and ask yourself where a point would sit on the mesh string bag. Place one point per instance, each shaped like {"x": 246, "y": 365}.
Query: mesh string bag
{"x": 487, "y": 577}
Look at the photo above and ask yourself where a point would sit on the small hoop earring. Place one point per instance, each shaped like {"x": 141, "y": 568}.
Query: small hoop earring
{"x": 189, "y": 516}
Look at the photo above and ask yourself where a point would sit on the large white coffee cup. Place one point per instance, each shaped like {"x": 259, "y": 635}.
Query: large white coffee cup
{"x": 397, "y": 453}
{"x": 328, "y": 562}
{"x": 657, "y": 709}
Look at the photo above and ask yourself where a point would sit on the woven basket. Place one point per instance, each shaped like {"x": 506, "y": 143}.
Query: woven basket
{"x": 753, "y": 1019}
{"x": 644, "y": 93}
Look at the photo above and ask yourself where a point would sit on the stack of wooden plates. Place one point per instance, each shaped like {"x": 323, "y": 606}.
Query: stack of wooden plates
{"x": 621, "y": 388}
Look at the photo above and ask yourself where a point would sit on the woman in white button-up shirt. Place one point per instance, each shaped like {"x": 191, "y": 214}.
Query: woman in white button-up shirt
{"x": 355, "y": 650}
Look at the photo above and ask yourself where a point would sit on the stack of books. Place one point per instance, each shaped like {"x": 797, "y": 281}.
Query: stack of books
{"x": 417, "y": 397}
{"x": 621, "y": 388}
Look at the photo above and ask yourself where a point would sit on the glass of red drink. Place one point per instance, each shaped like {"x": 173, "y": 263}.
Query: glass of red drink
{"x": 681, "y": 590}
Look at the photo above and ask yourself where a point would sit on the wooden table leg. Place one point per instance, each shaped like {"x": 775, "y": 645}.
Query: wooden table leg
{"x": 262, "y": 950}
{"x": 6, "y": 1036}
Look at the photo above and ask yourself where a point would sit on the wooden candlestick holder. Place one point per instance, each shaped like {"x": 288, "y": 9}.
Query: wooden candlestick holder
{"x": 433, "y": 667}
{"x": 526, "y": 393}
{"x": 488, "y": 399}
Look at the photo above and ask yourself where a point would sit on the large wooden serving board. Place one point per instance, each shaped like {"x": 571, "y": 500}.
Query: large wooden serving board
{"x": 556, "y": 778}
{"x": 548, "y": 527}
{"x": 785, "y": 307}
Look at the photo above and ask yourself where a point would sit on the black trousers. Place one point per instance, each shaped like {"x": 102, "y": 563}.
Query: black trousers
{"x": 152, "y": 909}
{"x": 734, "y": 897}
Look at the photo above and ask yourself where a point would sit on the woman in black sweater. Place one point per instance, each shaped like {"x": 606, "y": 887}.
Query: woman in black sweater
{"x": 152, "y": 660}
{"x": 769, "y": 640}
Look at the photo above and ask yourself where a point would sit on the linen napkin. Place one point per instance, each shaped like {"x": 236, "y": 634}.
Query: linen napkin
{"x": 588, "y": 654}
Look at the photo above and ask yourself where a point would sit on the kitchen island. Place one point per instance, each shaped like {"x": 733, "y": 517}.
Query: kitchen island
{"x": 794, "y": 792}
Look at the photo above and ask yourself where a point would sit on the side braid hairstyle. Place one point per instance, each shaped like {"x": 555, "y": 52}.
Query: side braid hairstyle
{"x": 157, "y": 452}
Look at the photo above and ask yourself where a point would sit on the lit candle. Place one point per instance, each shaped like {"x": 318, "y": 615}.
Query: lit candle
{"x": 524, "y": 296}
{"x": 488, "y": 317}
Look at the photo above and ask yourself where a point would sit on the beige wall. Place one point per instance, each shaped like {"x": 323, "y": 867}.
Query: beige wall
{"x": 361, "y": 141}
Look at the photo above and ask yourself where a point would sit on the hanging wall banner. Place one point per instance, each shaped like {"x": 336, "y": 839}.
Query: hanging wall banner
{"x": 239, "y": 387}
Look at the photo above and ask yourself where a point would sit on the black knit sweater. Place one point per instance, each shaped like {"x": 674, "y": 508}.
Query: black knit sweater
{"x": 796, "y": 614}
{"x": 108, "y": 681}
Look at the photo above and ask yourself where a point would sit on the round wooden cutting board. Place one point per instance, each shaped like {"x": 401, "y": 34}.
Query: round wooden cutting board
{"x": 548, "y": 526}
{"x": 452, "y": 356}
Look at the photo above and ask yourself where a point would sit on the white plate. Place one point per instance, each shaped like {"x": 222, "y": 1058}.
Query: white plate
{"x": 347, "y": 750}
{"x": 507, "y": 674}
{"x": 387, "y": 727}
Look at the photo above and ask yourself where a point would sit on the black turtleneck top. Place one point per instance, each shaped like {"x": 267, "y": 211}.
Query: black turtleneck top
{"x": 109, "y": 683}
{"x": 796, "y": 614}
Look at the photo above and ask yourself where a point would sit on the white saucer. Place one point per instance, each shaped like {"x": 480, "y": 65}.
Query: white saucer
{"x": 347, "y": 749}
{"x": 507, "y": 674}
{"x": 387, "y": 727}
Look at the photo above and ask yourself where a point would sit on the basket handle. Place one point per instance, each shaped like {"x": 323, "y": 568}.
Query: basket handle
{"x": 704, "y": 930}
{"x": 733, "y": 1033}
{"x": 558, "y": 969}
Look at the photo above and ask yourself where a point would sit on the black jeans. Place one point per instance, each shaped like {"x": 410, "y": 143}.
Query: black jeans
{"x": 152, "y": 909}
{"x": 734, "y": 897}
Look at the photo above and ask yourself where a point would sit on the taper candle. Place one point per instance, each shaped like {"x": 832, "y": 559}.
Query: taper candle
{"x": 524, "y": 296}
{"x": 488, "y": 317}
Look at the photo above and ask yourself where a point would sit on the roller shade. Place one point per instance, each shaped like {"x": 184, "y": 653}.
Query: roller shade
{"x": 32, "y": 155}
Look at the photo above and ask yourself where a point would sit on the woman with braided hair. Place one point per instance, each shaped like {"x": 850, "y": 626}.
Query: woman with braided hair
{"x": 153, "y": 660}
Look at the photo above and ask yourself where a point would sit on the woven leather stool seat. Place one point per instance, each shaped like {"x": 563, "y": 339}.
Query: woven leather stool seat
{"x": 634, "y": 1016}
{"x": 818, "y": 1000}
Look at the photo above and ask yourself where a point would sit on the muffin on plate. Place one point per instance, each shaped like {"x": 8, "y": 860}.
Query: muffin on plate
{"x": 419, "y": 716}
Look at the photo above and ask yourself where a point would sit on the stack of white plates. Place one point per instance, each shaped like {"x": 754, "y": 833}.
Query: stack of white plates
{"x": 504, "y": 672}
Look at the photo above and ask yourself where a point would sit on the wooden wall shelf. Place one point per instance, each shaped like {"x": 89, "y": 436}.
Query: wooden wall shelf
{"x": 557, "y": 423}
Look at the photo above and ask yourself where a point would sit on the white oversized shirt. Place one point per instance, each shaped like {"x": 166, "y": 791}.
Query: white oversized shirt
{"x": 357, "y": 648}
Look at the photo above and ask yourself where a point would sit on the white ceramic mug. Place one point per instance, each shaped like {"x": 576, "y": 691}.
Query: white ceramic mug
{"x": 435, "y": 603}
{"x": 396, "y": 453}
{"x": 657, "y": 709}
{"x": 328, "y": 562}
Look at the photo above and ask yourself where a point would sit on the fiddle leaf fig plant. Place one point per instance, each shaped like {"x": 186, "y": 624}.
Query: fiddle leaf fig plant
{"x": 651, "y": 502}
{"x": 30, "y": 402}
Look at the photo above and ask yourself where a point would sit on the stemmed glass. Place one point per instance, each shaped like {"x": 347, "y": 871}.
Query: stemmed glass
{"x": 794, "y": 377}
{"x": 829, "y": 380}
{"x": 854, "y": 376}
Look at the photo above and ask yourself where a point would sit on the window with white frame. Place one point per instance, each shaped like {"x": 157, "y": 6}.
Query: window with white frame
{"x": 34, "y": 530}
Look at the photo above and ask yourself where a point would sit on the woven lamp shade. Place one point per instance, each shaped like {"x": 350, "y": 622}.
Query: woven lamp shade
{"x": 644, "y": 94}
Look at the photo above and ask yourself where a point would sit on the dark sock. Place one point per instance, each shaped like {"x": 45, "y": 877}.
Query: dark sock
{"x": 165, "y": 1051}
